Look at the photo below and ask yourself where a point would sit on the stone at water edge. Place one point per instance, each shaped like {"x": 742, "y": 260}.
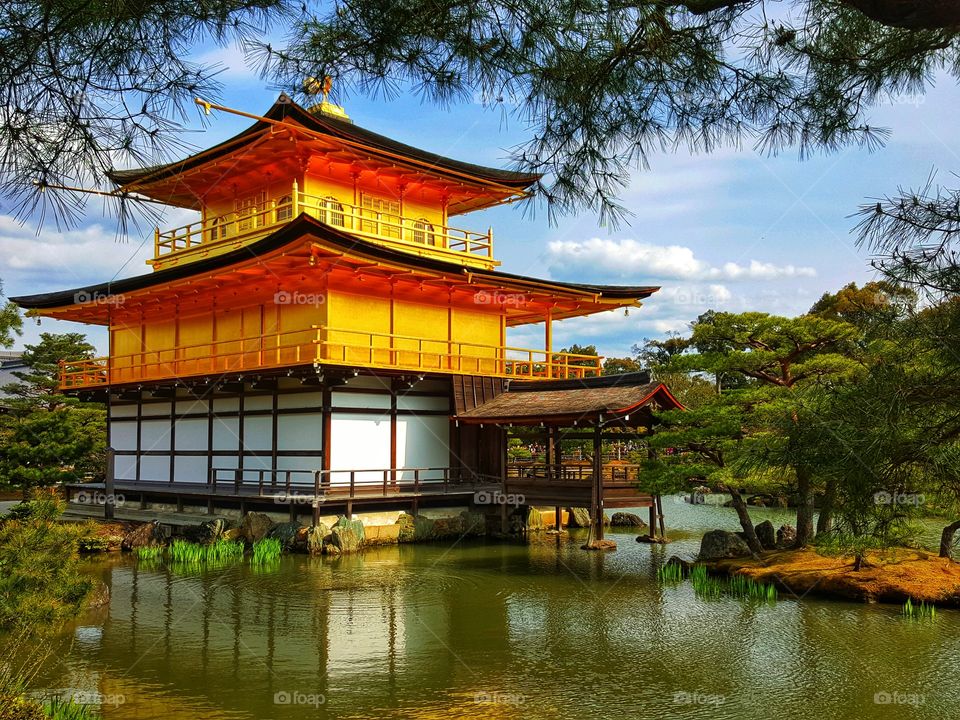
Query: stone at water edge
{"x": 233, "y": 534}
{"x": 786, "y": 536}
{"x": 255, "y": 526}
{"x": 578, "y": 517}
{"x": 343, "y": 540}
{"x": 625, "y": 519}
{"x": 686, "y": 565}
{"x": 718, "y": 544}
{"x": 315, "y": 537}
{"x": 599, "y": 545}
{"x": 286, "y": 533}
{"x": 767, "y": 535}
{"x": 145, "y": 535}
{"x": 652, "y": 540}
{"x": 407, "y": 532}
{"x": 209, "y": 531}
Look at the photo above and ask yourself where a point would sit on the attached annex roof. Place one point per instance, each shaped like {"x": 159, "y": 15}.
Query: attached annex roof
{"x": 561, "y": 402}
{"x": 288, "y": 112}
{"x": 304, "y": 238}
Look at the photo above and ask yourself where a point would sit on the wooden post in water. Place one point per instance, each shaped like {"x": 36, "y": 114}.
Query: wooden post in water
{"x": 597, "y": 513}
{"x": 108, "y": 484}
{"x": 659, "y": 502}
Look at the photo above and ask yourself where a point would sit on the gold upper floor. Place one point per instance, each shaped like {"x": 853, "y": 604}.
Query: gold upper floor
{"x": 294, "y": 161}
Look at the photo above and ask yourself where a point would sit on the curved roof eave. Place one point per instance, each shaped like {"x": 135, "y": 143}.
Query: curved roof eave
{"x": 335, "y": 128}
{"x": 293, "y": 231}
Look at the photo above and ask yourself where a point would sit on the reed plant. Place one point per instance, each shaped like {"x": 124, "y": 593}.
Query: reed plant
{"x": 266, "y": 551}
{"x": 919, "y": 611}
{"x": 670, "y": 574}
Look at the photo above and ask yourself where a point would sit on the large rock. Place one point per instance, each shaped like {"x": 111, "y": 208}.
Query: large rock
{"x": 210, "y": 531}
{"x": 578, "y": 517}
{"x": 315, "y": 537}
{"x": 786, "y": 536}
{"x": 342, "y": 540}
{"x": 766, "y": 534}
{"x": 407, "y": 531}
{"x": 718, "y": 544}
{"x": 286, "y": 533}
{"x": 255, "y": 526}
{"x": 145, "y": 535}
{"x": 625, "y": 519}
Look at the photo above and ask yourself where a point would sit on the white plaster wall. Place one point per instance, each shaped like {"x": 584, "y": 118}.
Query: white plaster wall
{"x": 423, "y": 442}
{"x": 359, "y": 442}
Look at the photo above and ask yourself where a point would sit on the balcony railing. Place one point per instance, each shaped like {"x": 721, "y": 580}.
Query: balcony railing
{"x": 410, "y": 234}
{"x": 322, "y": 344}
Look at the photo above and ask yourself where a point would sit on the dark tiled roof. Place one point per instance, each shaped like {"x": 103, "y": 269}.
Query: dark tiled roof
{"x": 294, "y": 230}
{"x": 336, "y": 128}
{"x": 587, "y": 400}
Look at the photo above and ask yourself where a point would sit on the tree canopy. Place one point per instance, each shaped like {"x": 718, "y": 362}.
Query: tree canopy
{"x": 600, "y": 85}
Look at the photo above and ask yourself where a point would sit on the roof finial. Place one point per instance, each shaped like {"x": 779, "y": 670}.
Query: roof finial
{"x": 312, "y": 86}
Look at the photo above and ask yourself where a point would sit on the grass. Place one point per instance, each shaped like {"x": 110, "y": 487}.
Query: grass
{"x": 151, "y": 552}
{"x": 709, "y": 587}
{"x": 670, "y": 573}
{"x": 266, "y": 551}
{"x": 182, "y": 552}
{"x": 918, "y": 612}
{"x": 60, "y": 709}
{"x": 186, "y": 553}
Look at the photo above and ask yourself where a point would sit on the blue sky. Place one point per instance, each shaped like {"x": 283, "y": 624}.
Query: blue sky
{"x": 732, "y": 230}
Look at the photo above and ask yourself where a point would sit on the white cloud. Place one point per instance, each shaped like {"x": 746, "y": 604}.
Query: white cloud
{"x": 627, "y": 258}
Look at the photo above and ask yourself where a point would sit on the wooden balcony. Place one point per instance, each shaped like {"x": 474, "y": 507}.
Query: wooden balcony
{"x": 322, "y": 344}
{"x": 414, "y": 235}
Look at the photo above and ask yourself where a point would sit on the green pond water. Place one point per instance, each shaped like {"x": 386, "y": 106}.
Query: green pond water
{"x": 476, "y": 630}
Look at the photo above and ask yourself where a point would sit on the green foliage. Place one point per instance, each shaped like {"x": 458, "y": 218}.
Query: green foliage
{"x": 14, "y": 706}
{"x": 46, "y": 437}
{"x": 711, "y": 587}
{"x": 11, "y": 324}
{"x": 670, "y": 574}
{"x": 919, "y": 612}
{"x": 266, "y": 551}
{"x": 60, "y": 709}
{"x": 149, "y": 552}
{"x": 603, "y": 85}
{"x": 40, "y": 579}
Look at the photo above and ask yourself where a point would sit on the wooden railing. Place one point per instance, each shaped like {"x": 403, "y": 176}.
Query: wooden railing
{"x": 406, "y": 233}
{"x": 370, "y": 349}
{"x": 318, "y": 485}
{"x": 322, "y": 344}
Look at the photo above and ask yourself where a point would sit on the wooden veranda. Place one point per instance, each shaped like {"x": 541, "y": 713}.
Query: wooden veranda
{"x": 618, "y": 407}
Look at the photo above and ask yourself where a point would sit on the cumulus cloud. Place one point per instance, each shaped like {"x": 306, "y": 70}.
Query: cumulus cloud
{"x": 627, "y": 258}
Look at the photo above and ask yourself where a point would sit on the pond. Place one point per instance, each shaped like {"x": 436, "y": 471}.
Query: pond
{"x": 483, "y": 630}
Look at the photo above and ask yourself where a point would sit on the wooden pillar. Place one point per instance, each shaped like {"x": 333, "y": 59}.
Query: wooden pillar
{"x": 652, "y": 527}
{"x": 659, "y": 502}
{"x": 597, "y": 513}
{"x": 548, "y": 340}
{"x": 504, "y": 443}
{"x": 108, "y": 484}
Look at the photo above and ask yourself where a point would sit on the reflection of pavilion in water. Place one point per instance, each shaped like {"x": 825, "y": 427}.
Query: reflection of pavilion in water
{"x": 217, "y": 645}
